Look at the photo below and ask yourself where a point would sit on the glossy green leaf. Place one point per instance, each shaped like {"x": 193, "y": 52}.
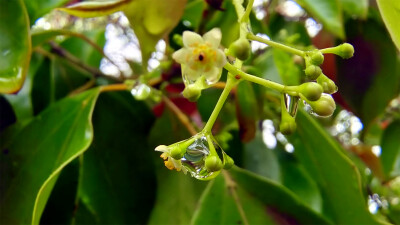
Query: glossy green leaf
{"x": 152, "y": 20}
{"x": 390, "y": 143}
{"x": 263, "y": 202}
{"x": 327, "y": 12}
{"x": 390, "y": 12}
{"x": 177, "y": 197}
{"x": 357, "y": 8}
{"x": 246, "y": 111}
{"x": 35, "y": 157}
{"x": 218, "y": 206}
{"x": 96, "y": 8}
{"x": 38, "y": 8}
{"x": 117, "y": 168}
{"x": 15, "y": 45}
{"x": 335, "y": 174}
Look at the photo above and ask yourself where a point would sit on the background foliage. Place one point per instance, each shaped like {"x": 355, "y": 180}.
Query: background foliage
{"x": 74, "y": 152}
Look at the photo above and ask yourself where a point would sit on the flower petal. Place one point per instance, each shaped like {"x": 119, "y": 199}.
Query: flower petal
{"x": 181, "y": 55}
{"x": 162, "y": 148}
{"x": 213, "y": 37}
{"x": 213, "y": 75}
{"x": 191, "y": 38}
{"x": 220, "y": 58}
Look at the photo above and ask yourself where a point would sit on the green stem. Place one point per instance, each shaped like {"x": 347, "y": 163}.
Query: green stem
{"x": 231, "y": 82}
{"x": 276, "y": 44}
{"x": 331, "y": 50}
{"x": 245, "y": 17}
{"x": 254, "y": 79}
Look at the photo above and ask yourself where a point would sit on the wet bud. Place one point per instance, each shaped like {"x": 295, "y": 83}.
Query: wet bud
{"x": 327, "y": 84}
{"x": 312, "y": 91}
{"x": 240, "y": 49}
{"x": 288, "y": 124}
{"x": 312, "y": 72}
{"x": 325, "y": 106}
{"x": 317, "y": 58}
{"x": 228, "y": 162}
{"x": 213, "y": 163}
{"x": 192, "y": 93}
{"x": 176, "y": 151}
{"x": 345, "y": 50}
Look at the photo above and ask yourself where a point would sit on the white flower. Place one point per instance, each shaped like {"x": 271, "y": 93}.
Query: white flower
{"x": 170, "y": 162}
{"x": 200, "y": 56}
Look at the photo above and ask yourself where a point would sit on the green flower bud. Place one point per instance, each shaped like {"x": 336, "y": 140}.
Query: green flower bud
{"x": 325, "y": 106}
{"x": 240, "y": 49}
{"x": 312, "y": 72}
{"x": 213, "y": 163}
{"x": 176, "y": 151}
{"x": 311, "y": 90}
{"x": 327, "y": 84}
{"x": 345, "y": 51}
{"x": 288, "y": 124}
{"x": 317, "y": 58}
{"x": 228, "y": 162}
{"x": 192, "y": 93}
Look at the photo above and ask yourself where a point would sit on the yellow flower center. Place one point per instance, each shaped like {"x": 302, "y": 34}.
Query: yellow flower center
{"x": 202, "y": 57}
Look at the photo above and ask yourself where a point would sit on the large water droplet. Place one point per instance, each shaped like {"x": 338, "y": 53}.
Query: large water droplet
{"x": 291, "y": 103}
{"x": 195, "y": 156}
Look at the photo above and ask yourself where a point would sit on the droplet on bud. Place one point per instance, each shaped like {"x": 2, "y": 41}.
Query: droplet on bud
{"x": 291, "y": 104}
{"x": 141, "y": 91}
{"x": 199, "y": 160}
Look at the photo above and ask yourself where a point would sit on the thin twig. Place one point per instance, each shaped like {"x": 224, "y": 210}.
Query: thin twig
{"x": 231, "y": 185}
{"x": 83, "y": 88}
{"x": 114, "y": 87}
{"x": 181, "y": 116}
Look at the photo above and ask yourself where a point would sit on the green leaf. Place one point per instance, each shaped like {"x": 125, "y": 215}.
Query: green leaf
{"x": 218, "y": 206}
{"x": 262, "y": 200}
{"x": 38, "y": 8}
{"x": 289, "y": 72}
{"x": 117, "y": 168}
{"x": 177, "y": 196}
{"x": 390, "y": 12}
{"x": 390, "y": 143}
{"x": 246, "y": 111}
{"x": 335, "y": 174}
{"x": 96, "y": 8}
{"x": 152, "y": 20}
{"x": 357, "y": 8}
{"x": 15, "y": 45}
{"x": 327, "y": 12}
{"x": 44, "y": 147}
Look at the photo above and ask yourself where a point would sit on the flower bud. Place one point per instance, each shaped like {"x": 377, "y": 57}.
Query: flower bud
{"x": 288, "y": 124}
{"x": 317, "y": 58}
{"x": 327, "y": 84}
{"x": 213, "y": 163}
{"x": 312, "y": 72}
{"x": 192, "y": 93}
{"x": 240, "y": 49}
{"x": 311, "y": 90}
{"x": 345, "y": 51}
{"x": 325, "y": 106}
{"x": 176, "y": 151}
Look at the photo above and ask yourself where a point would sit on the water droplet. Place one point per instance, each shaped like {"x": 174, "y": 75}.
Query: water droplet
{"x": 195, "y": 156}
{"x": 291, "y": 103}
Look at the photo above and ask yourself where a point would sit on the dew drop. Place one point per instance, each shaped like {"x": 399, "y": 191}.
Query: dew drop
{"x": 194, "y": 158}
{"x": 291, "y": 103}
{"x": 141, "y": 92}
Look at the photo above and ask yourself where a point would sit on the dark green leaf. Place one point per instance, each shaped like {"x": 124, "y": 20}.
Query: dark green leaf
{"x": 335, "y": 174}
{"x": 15, "y": 45}
{"x": 327, "y": 12}
{"x": 289, "y": 72}
{"x": 118, "y": 183}
{"x": 390, "y": 143}
{"x": 44, "y": 147}
{"x": 96, "y": 8}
